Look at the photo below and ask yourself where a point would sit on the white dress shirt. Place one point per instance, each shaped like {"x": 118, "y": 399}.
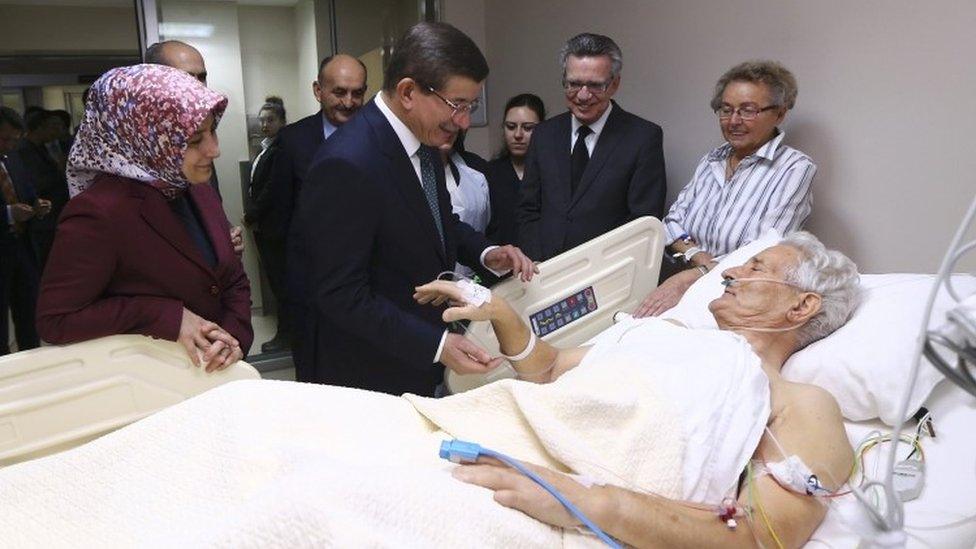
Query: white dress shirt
{"x": 596, "y": 129}
{"x": 265, "y": 143}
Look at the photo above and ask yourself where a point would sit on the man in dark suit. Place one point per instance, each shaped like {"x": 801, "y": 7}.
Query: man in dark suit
{"x": 19, "y": 205}
{"x": 47, "y": 177}
{"x": 340, "y": 89}
{"x": 377, "y": 218}
{"x": 593, "y": 168}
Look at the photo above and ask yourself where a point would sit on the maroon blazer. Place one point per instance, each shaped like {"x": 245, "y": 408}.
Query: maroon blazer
{"x": 123, "y": 263}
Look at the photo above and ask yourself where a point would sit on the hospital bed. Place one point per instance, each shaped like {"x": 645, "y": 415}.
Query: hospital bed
{"x": 56, "y": 398}
{"x": 575, "y": 296}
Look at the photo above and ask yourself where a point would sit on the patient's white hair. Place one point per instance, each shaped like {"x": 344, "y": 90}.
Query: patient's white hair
{"x": 828, "y": 273}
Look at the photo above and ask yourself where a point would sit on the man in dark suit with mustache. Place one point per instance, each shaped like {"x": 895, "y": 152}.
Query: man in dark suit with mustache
{"x": 340, "y": 89}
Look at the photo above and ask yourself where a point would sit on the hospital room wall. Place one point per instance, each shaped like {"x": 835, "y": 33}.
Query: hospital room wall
{"x": 469, "y": 16}
{"x": 884, "y": 109}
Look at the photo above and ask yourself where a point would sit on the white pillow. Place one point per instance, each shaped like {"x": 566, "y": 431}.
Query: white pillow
{"x": 864, "y": 364}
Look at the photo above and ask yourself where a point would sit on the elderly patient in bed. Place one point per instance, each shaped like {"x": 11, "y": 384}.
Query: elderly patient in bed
{"x": 775, "y": 304}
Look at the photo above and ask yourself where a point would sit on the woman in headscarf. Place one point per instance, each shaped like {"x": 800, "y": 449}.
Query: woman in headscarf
{"x": 142, "y": 245}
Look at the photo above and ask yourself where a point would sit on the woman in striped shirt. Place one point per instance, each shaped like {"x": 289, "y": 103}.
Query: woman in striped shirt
{"x": 750, "y": 184}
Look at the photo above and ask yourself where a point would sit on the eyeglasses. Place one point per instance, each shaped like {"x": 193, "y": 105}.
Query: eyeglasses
{"x": 746, "y": 112}
{"x": 459, "y": 108}
{"x": 573, "y": 87}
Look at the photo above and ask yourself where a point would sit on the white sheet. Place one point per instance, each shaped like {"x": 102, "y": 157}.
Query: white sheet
{"x": 717, "y": 387}
{"x": 945, "y": 515}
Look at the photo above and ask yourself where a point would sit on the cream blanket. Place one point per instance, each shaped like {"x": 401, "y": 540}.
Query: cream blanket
{"x": 280, "y": 464}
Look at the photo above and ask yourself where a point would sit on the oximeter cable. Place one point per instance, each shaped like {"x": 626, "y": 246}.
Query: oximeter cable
{"x": 459, "y": 451}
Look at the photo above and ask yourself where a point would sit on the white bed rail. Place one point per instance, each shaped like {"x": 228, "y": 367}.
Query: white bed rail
{"x": 56, "y": 398}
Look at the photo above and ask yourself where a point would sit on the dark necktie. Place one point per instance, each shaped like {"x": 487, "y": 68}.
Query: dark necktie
{"x": 581, "y": 156}
{"x": 428, "y": 178}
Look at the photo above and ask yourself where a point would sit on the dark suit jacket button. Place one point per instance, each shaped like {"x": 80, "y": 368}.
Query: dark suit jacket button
{"x": 214, "y": 290}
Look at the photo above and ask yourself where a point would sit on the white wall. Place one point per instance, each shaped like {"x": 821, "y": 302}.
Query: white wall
{"x": 886, "y": 89}
{"x": 469, "y": 17}
{"x": 25, "y": 29}
{"x": 269, "y": 57}
{"x": 308, "y": 57}
{"x": 222, "y": 53}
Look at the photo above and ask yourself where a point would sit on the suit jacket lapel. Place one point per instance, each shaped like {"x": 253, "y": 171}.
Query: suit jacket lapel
{"x": 404, "y": 177}
{"x": 158, "y": 215}
{"x": 605, "y": 145}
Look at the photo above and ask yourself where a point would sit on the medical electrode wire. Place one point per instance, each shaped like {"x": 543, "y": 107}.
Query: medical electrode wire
{"x": 893, "y": 518}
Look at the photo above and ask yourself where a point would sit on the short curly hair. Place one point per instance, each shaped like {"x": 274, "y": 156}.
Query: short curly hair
{"x": 828, "y": 273}
{"x": 781, "y": 82}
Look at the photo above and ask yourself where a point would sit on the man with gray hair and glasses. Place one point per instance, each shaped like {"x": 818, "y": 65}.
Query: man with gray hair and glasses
{"x": 591, "y": 169}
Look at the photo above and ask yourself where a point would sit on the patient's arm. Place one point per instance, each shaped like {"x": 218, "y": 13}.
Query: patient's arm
{"x": 544, "y": 364}
{"x": 808, "y": 424}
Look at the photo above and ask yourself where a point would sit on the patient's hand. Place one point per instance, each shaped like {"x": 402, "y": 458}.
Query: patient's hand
{"x": 517, "y": 491}
{"x": 439, "y": 291}
{"x": 668, "y": 294}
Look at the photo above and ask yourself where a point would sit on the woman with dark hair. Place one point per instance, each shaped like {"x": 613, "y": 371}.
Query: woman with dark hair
{"x": 141, "y": 247}
{"x": 271, "y": 248}
{"x": 522, "y": 113}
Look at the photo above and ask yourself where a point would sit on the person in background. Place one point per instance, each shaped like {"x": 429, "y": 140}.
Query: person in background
{"x": 60, "y": 146}
{"x": 19, "y": 205}
{"x": 142, "y": 246}
{"x": 594, "y": 168}
{"x": 751, "y": 183}
{"x": 522, "y": 114}
{"x": 47, "y": 175}
{"x": 270, "y": 250}
{"x": 340, "y": 89}
{"x": 188, "y": 59}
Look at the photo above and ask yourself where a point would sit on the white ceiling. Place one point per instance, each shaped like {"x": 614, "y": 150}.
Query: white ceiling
{"x": 131, "y": 3}
{"x": 85, "y": 3}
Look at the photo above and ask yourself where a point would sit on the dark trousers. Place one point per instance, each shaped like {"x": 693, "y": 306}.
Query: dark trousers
{"x": 18, "y": 294}
{"x": 272, "y": 254}
{"x": 43, "y": 240}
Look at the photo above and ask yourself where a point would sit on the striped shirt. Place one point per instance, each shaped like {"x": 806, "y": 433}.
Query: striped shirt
{"x": 769, "y": 189}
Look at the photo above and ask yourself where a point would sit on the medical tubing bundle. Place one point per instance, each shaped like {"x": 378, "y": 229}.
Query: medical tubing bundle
{"x": 892, "y": 519}
{"x": 459, "y": 451}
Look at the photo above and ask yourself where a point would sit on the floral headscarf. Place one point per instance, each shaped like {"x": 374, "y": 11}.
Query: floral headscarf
{"x": 137, "y": 123}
